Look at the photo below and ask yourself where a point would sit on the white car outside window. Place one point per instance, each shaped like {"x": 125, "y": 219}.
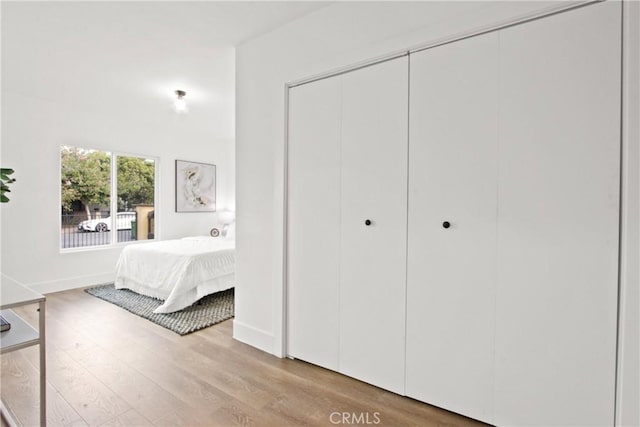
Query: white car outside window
{"x": 123, "y": 222}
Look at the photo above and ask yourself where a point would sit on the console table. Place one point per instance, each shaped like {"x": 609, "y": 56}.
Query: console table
{"x": 23, "y": 335}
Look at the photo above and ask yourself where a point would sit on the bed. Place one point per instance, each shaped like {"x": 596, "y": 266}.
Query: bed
{"x": 180, "y": 272}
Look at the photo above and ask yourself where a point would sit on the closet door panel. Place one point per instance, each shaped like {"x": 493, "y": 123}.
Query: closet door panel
{"x": 558, "y": 219}
{"x": 374, "y": 187}
{"x": 314, "y": 222}
{"x": 451, "y": 271}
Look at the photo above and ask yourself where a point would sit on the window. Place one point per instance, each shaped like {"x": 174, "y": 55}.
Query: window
{"x": 94, "y": 184}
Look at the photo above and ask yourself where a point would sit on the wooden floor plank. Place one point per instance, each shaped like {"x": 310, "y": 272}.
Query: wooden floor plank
{"x": 131, "y": 418}
{"x": 88, "y": 396}
{"x": 149, "y": 399}
{"x": 22, "y": 381}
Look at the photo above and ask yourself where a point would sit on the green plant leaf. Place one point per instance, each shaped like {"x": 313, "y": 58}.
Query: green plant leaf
{"x": 4, "y": 173}
{"x": 5, "y": 180}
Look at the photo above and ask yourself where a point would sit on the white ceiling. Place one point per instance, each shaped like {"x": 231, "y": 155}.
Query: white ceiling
{"x": 126, "y": 58}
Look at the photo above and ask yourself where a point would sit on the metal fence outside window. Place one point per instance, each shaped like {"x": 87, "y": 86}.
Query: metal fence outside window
{"x": 73, "y": 237}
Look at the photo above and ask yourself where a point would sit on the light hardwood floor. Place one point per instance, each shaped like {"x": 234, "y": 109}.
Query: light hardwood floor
{"x": 107, "y": 367}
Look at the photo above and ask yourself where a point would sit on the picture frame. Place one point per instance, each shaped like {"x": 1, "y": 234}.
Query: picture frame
{"x": 195, "y": 186}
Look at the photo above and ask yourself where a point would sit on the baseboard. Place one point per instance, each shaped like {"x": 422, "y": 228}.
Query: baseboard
{"x": 71, "y": 283}
{"x": 6, "y": 279}
{"x": 253, "y": 337}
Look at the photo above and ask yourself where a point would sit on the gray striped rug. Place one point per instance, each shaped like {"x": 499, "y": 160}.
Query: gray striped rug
{"x": 208, "y": 311}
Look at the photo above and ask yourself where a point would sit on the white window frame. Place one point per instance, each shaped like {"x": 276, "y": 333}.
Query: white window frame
{"x": 113, "y": 203}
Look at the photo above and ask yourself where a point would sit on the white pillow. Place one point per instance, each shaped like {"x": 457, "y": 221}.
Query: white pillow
{"x": 231, "y": 231}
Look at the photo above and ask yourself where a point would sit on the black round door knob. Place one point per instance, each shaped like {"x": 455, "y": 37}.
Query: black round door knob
{"x": 446, "y": 224}
{"x": 367, "y": 222}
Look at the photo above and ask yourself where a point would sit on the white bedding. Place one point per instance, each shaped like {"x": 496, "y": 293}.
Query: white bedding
{"x": 180, "y": 272}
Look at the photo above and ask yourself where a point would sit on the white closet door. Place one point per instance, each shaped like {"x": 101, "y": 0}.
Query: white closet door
{"x": 373, "y": 257}
{"x": 558, "y": 219}
{"x": 314, "y": 222}
{"x": 451, "y": 271}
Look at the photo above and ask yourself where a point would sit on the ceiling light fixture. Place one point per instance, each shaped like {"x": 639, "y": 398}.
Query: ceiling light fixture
{"x": 180, "y": 104}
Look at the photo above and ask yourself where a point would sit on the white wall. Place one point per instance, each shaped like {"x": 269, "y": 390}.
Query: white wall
{"x": 331, "y": 38}
{"x": 32, "y": 132}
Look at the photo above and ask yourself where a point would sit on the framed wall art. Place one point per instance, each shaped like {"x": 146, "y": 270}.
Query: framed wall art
{"x": 195, "y": 187}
